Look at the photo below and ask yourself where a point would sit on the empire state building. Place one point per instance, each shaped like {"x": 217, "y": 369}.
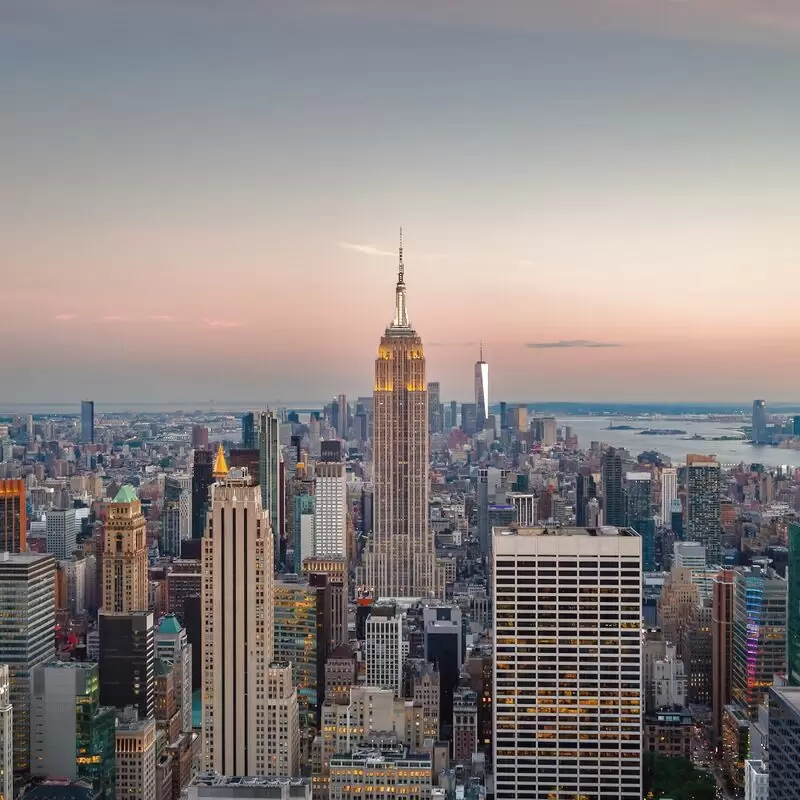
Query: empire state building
{"x": 401, "y": 561}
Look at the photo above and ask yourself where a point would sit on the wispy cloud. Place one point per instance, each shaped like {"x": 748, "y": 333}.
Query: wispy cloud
{"x": 114, "y": 318}
{"x": 223, "y": 323}
{"x": 452, "y": 344}
{"x": 365, "y": 249}
{"x": 570, "y": 343}
{"x": 162, "y": 318}
{"x": 64, "y": 317}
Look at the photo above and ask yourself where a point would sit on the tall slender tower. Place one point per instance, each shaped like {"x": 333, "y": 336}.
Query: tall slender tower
{"x": 481, "y": 390}
{"x": 237, "y": 626}
{"x": 125, "y": 555}
{"x": 401, "y": 560}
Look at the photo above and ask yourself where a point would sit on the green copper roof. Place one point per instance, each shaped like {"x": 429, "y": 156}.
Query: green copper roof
{"x": 169, "y": 624}
{"x": 159, "y": 667}
{"x": 126, "y": 495}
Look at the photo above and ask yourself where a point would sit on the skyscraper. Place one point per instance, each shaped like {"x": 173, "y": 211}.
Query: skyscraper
{"x": 760, "y": 422}
{"x": 759, "y": 635}
{"x": 127, "y": 660}
{"x": 401, "y": 559}
{"x": 248, "y": 431}
{"x": 238, "y": 624}
{"x": 481, "y": 391}
{"x": 175, "y": 514}
{"x": 172, "y": 646}
{"x": 669, "y": 492}
{"x": 585, "y": 490}
{"x": 613, "y": 498}
{"x": 87, "y": 421}
{"x": 65, "y": 707}
{"x": 793, "y": 618}
{"x": 272, "y": 495}
{"x": 27, "y": 586}
{"x": 330, "y": 509}
{"x": 703, "y": 505}
{"x": 199, "y": 437}
{"x": 342, "y": 426}
{"x": 6, "y": 737}
{"x": 722, "y": 611}
{"x": 383, "y": 648}
{"x": 125, "y": 555}
{"x": 61, "y": 530}
{"x": 13, "y": 516}
{"x": 576, "y": 699}
{"x": 202, "y": 478}
{"x": 435, "y": 419}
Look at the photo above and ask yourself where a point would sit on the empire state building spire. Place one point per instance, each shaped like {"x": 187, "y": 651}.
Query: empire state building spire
{"x": 400, "y": 311}
{"x": 401, "y": 555}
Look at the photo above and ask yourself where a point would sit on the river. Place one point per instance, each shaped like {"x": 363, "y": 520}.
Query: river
{"x": 589, "y": 429}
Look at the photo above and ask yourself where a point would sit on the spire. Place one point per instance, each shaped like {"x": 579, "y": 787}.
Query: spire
{"x": 400, "y": 311}
{"x": 220, "y": 465}
{"x": 481, "y": 356}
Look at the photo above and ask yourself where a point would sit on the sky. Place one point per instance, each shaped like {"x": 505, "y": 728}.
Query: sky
{"x": 201, "y": 200}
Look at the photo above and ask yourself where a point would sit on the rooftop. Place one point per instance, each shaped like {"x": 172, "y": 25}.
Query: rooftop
{"x": 790, "y": 695}
{"x": 126, "y": 494}
{"x": 169, "y": 624}
{"x": 606, "y": 530}
{"x": 215, "y": 779}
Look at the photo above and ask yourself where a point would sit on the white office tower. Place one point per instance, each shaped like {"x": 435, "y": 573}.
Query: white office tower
{"x": 384, "y": 648}
{"x": 690, "y": 555}
{"x": 330, "y": 509}
{"x": 6, "y": 737}
{"x": 62, "y": 532}
{"x": 238, "y": 625}
{"x": 756, "y": 780}
{"x": 669, "y": 492}
{"x": 282, "y": 722}
{"x": 172, "y": 646}
{"x": 568, "y": 663}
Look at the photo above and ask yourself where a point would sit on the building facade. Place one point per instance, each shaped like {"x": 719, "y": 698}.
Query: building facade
{"x": 65, "y": 707}
{"x": 703, "y": 514}
{"x": 400, "y": 561}
{"x": 13, "y": 516}
{"x": 481, "y": 391}
{"x": 784, "y": 742}
{"x": 127, "y": 661}
{"x": 384, "y": 648}
{"x": 87, "y": 421}
{"x": 135, "y": 746}
{"x": 330, "y": 510}
{"x": 125, "y": 555}
{"x": 759, "y": 635}
{"x": 580, "y": 706}
{"x": 27, "y": 597}
{"x": 61, "y": 530}
{"x": 6, "y": 737}
{"x": 238, "y": 620}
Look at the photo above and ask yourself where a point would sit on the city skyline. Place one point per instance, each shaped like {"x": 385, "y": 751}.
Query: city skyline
{"x": 649, "y": 202}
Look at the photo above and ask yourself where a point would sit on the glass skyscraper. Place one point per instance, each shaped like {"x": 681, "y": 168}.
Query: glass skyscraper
{"x": 703, "y": 513}
{"x": 87, "y": 421}
{"x": 27, "y": 600}
{"x": 759, "y": 634}
{"x": 793, "y": 606}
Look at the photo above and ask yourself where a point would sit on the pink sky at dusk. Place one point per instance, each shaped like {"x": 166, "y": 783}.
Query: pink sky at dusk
{"x": 213, "y": 213}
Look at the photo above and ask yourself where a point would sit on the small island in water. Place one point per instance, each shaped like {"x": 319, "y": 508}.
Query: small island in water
{"x": 661, "y": 432}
